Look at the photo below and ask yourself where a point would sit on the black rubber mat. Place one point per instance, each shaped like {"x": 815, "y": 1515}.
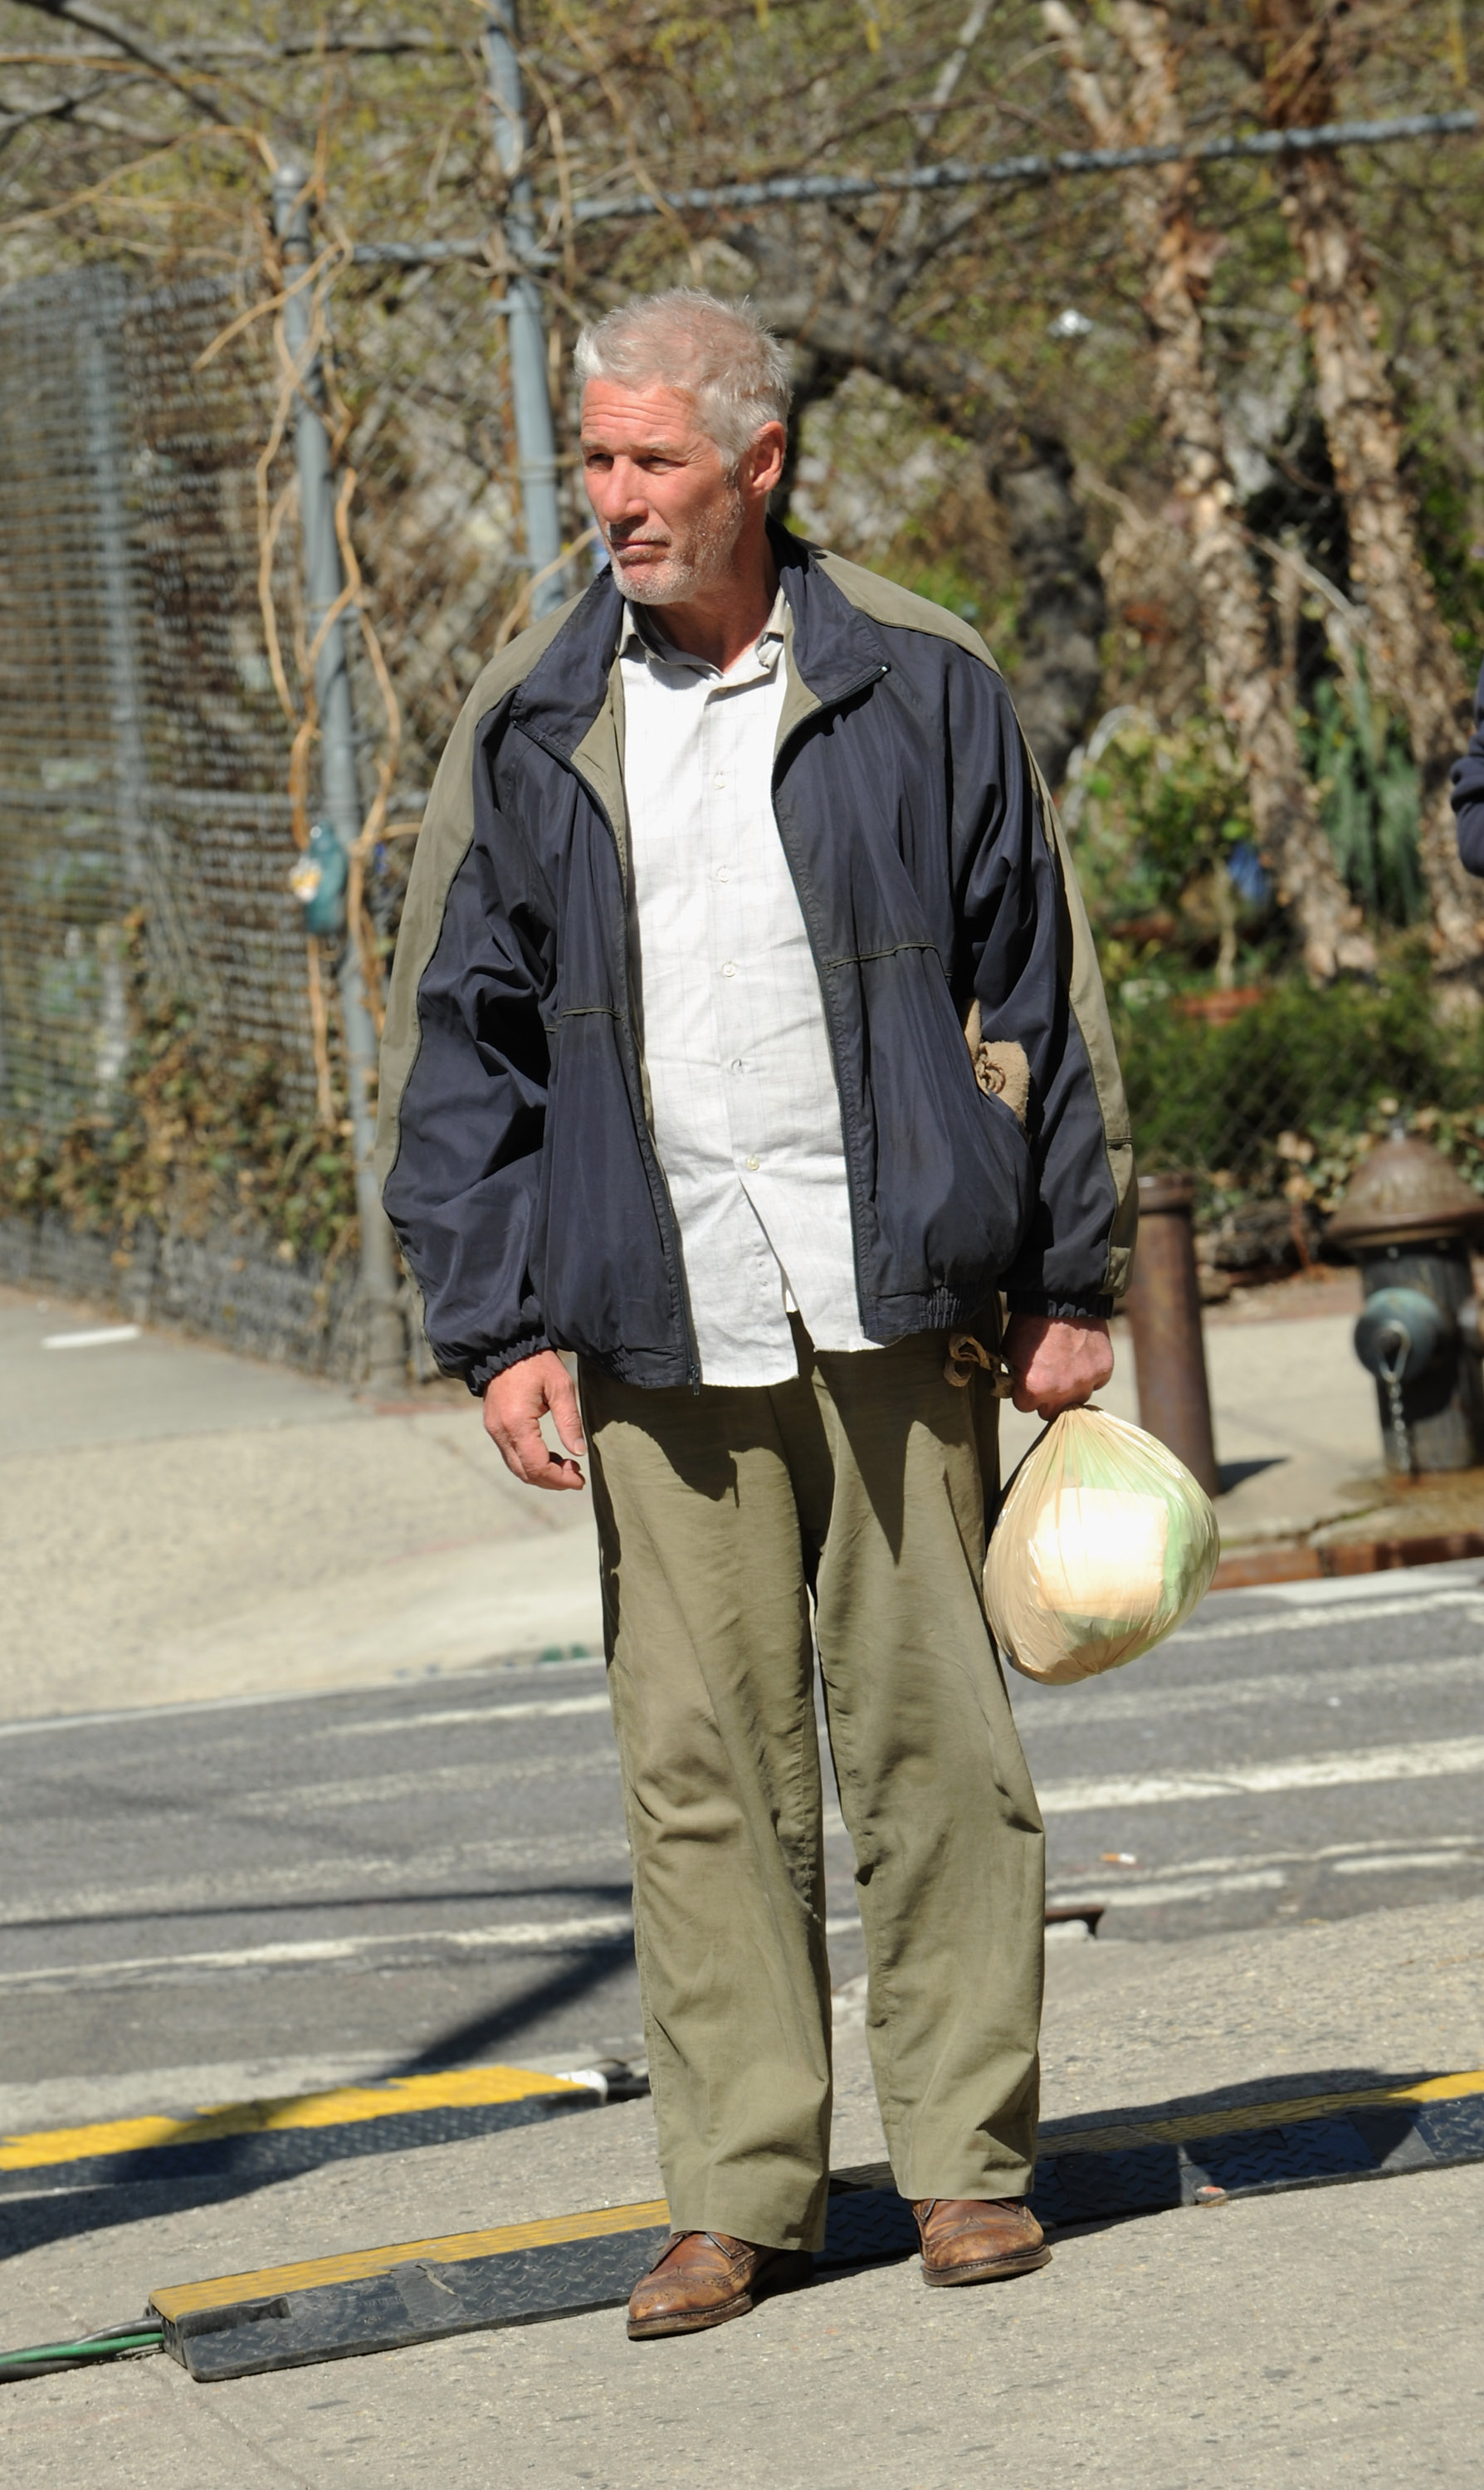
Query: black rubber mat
{"x": 1110, "y": 2175}
{"x": 416, "y": 2302}
{"x": 286, "y": 2153}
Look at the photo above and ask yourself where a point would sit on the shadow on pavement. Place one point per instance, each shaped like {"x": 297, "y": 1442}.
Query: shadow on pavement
{"x": 1231, "y": 1474}
{"x": 467, "y": 2041}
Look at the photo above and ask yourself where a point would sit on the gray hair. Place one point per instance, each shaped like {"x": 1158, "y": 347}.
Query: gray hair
{"x": 720, "y": 352}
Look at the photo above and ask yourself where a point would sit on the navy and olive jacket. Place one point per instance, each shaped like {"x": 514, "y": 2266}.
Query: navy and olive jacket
{"x": 1468, "y": 791}
{"x": 518, "y": 1166}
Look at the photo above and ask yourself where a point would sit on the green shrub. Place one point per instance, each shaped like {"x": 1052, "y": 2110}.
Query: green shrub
{"x": 1320, "y": 1069}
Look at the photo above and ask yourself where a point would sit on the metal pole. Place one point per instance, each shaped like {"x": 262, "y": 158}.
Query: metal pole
{"x": 339, "y": 791}
{"x": 1164, "y": 1314}
{"x": 535, "y": 441}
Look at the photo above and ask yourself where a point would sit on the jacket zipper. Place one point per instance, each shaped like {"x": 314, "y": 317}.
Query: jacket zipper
{"x": 670, "y": 1237}
{"x": 805, "y": 909}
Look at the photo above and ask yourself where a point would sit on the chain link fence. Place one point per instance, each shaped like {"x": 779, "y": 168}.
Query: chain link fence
{"x": 163, "y": 1029}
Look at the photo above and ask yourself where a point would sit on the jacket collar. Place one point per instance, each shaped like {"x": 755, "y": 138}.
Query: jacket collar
{"x": 834, "y": 649}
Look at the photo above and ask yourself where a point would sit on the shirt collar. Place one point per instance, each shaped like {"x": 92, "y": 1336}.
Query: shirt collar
{"x": 641, "y": 636}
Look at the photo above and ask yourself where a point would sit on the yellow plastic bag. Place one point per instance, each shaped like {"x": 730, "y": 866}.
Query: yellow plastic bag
{"x": 1103, "y": 1546}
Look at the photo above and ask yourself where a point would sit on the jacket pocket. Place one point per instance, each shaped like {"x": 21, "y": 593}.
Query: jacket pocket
{"x": 953, "y": 1178}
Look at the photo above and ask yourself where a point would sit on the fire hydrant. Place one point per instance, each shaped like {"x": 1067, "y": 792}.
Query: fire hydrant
{"x": 1407, "y": 1219}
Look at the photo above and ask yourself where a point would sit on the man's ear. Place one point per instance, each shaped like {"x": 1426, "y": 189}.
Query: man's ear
{"x": 764, "y": 460}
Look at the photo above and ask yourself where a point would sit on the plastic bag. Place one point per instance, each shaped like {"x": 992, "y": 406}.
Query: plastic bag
{"x": 1103, "y": 1546}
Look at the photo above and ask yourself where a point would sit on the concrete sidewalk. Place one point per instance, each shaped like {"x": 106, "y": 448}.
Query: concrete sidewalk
{"x": 178, "y": 1524}
{"x": 1292, "y": 2342}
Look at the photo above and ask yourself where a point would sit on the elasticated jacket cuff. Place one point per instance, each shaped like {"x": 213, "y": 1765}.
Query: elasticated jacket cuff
{"x": 482, "y": 1372}
{"x": 1027, "y": 1301}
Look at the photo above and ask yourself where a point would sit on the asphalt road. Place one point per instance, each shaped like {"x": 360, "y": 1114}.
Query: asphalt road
{"x": 437, "y": 1874}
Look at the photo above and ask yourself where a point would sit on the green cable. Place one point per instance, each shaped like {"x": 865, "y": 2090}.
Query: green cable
{"x": 110, "y": 2343}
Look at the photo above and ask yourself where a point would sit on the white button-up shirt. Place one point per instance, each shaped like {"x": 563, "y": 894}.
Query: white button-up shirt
{"x": 745, "y": 1108}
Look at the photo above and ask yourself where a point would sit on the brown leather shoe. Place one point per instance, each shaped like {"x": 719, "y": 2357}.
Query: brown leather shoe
{"x": 702, "y": 2279}
{"x": 971, "y": 2239}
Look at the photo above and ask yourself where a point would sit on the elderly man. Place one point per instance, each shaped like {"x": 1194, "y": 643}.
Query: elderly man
{"x": 746, "y": 1043}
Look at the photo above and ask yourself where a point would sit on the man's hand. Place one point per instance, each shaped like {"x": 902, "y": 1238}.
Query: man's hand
{"x": 514, "y": 1405}
{"x": 1056, "y": 1365}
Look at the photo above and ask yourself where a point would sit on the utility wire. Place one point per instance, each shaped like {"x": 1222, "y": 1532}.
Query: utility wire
{"x": 1011, "y": 170}
{"x": 1033, "y": 169}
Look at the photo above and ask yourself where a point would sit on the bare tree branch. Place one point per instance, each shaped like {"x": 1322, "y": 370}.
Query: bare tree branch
{"x": 951, "y": 72}
{"x": 52, "y": 107}
{"x": 97, "y": 22}
{"x": 245, "y": 55}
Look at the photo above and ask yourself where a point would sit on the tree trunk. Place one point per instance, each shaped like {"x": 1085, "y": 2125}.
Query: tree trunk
{"x": 1063, "y": 608}
{"x": 1413, "y": 663}
{"x": 1176, "y": 257}
{"x": 1028, "y": 470}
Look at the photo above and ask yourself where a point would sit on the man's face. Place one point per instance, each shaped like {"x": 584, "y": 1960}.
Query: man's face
{"x": 669, "y": 511}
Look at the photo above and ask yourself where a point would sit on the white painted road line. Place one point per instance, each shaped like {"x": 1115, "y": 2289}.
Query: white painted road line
{"x": 1202, "y": 1880}
{"x": 558, "y": 1708}
{"x": 1338, "y": 1684}
{"x": 527, "y": 1936}
{"x": 1429, "y": 1760}
{"x": 342, "y": 1883}
{"x": 1460, "y": 1572}
{"x": 289, "y": 1954}
{"x": 206, "y": 1706}
{"x": 102, "y": 1339}
{"x": 1176, "y": 1889}
{"x": 1448, "y": 1846}
{"x": 311, "y": 1799}
{"x": 1322, "y": 1619}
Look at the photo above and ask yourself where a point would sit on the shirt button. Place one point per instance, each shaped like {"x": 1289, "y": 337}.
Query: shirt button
{"x": 738, "y": 1065}
{"x": 719, "y": 780}
{"x": 729, "y": 967}
{"x": 753, "y": 1164}
{"x": 722, "y": 873}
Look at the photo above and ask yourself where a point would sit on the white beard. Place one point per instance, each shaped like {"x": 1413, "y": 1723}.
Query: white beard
{"x": 688, "y": 568}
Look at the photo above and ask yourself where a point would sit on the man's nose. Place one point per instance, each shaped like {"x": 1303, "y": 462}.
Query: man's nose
{"x": 617, "y": 497}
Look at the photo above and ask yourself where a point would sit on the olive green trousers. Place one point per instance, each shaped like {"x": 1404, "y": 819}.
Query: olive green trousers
{"x": 723, "y": 1516}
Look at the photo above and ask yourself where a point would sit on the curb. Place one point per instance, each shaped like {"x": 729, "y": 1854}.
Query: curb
{"x": 1298, "y": 1560}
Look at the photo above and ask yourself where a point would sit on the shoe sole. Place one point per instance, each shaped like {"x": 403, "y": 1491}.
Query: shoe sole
{"x": 988, "y": 2270}
{"x": 779, "y": 2274}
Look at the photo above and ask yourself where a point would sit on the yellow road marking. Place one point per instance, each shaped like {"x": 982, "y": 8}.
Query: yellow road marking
{"x": 176, "y": 2300}
{"x": 466, "y": 2088}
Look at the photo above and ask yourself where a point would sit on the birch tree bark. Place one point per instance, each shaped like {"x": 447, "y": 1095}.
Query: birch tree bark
{"x": 1413, "y": 663}
{"x": 1176, "y": 257}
